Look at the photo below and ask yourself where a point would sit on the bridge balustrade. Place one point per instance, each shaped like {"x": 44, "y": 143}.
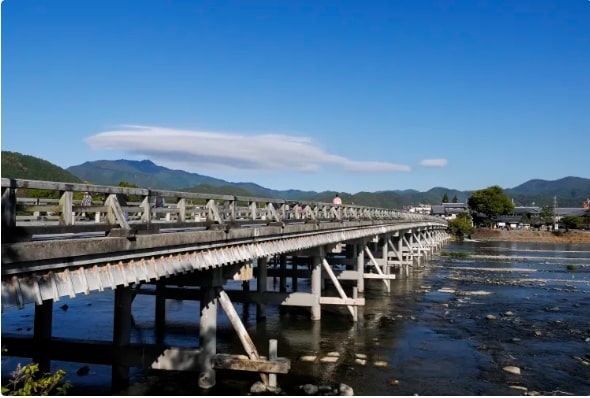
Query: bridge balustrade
{"x": 23, "y": 205}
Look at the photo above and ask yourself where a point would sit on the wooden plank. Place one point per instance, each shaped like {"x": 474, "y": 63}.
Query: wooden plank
{"x": 242, "y": 362}
{"x": 342, "y": 301}
{"x": 379, "y": 276}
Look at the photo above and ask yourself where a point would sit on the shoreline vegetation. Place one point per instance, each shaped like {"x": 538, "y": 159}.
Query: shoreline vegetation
{"x": 532, "y": 236}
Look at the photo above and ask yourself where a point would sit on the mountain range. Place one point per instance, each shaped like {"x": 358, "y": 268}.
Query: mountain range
{"x": 569, "y": 191}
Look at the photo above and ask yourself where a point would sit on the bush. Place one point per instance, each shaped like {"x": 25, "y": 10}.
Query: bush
{"x": 26, "y": 381}
{"x": 570, "y": 267}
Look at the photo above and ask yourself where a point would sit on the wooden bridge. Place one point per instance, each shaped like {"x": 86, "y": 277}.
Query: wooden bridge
{"x": 54, "y": 244}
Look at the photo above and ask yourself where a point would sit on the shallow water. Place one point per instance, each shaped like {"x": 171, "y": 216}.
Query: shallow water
{"x": 429, "y": 336}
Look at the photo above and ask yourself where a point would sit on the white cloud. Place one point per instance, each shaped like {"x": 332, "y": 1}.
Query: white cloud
{"x": 434, "y": 163}
{"x": 223, "y": 151}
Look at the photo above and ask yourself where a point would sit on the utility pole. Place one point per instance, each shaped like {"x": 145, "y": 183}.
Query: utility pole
{"x": 555, "y": 224}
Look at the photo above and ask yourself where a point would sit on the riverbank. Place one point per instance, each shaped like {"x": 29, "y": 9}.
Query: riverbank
{"x": 532, "y": 236}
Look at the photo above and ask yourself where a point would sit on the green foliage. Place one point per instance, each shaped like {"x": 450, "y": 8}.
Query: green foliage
{"x": 573, "y": 222}
{"x": 445, "y": 198}
{"x": 461, "y": 225}
{"x": 570, "y": 267}
{"x": 26, "y": 381}
{"x": 17, "y": 165}
{"x": 455, "y": 199}
{"x": 547, "y": 215}
{"x": 491, "y": 201}
{"x": 130, "y": 198}
{"x": 221, "y": 190}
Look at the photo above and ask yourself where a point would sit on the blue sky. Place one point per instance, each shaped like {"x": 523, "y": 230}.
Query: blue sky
{"x": 314, "y": 95}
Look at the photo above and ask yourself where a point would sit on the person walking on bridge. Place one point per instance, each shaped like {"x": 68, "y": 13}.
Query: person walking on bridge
{"x": 337, "y": 201}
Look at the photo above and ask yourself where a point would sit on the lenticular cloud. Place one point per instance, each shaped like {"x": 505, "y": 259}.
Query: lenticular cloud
{"x": 433, "y": 163}
{"x": 227, "y": 151}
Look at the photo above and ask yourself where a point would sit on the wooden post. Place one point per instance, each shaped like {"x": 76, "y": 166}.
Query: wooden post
{"x": 42, "y": 334}
{"x": 355, "y": 295}
{"x": 294, "y": 275}
{"x": 121, "y": 336}
{"x": 8, "y": 213}
{"x": 246, "y": 303}
{"x": 385, "y": 256}
{"x": 66, "y": 202}
{"x": 272, "y": 356}
{"x": 261, "y": 280}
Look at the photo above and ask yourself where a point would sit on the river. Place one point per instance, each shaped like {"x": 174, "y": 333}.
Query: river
{"x": 496, "y": 318}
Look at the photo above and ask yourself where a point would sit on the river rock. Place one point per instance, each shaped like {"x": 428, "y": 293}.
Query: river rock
{"x": 345, "y": 390}
{"x": 508, "y": 313}
{"x": 309, "y": 389}
{"x": 515, "y": 370}
{"x": 491, "y": 317}
{"x": 258, "y": 388}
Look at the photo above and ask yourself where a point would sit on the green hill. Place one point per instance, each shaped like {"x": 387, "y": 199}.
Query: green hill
{"x": 569, "y": 191}
{"x": 17, "y": 165}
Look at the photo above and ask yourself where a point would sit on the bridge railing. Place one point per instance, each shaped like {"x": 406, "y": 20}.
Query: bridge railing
{"x": 44, "y": 203}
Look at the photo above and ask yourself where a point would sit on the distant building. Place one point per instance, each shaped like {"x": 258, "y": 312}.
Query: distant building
{"x": 420, "y": 209}
{"x": 449, "y": 211}
{"x": 533, "y": 214}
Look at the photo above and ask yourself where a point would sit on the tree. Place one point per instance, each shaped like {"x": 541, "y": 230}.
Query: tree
{"x": 547, "y": 215}
{"x": 445, "y": 198}
{"x": 491, "y": 201}
{"x": 461, "y": 225}
{"x": 455, "y": 199}
{"x": 573, "y": 222}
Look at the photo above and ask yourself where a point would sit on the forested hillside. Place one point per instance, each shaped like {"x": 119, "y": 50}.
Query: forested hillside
{"x": 569, "y": 191}
{"x": 17, "y": 165}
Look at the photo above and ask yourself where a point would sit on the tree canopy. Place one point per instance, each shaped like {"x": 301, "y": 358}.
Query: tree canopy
{"x": 491, "y": 201}
{"x": 461, "y": 225}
